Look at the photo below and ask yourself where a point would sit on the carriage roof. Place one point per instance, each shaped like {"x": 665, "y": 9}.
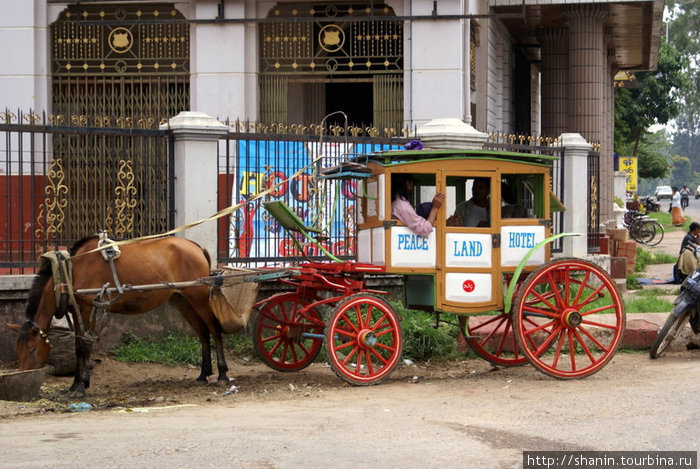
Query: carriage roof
{"x": 412, "y": 156}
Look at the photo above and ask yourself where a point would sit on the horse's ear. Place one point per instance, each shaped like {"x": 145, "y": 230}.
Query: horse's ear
{"x": 14, "y": 327}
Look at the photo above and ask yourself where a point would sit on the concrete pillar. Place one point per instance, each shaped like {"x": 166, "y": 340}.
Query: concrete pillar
{"x": 450, "y": 133}
{"x": 587, "y": 89}
{"x": 196, "y": 138}
{"x": 555, "y": 80}
{"x": 586, "y": 65}
{"x": 574, "y": 197}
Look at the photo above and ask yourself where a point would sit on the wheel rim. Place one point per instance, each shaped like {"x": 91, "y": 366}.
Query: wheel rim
{"x": 658, "y": 234}
{"x": 363, "y": 340}
{"x": 492, "y": 338}
{"x": 580, "y": 318}
{"x": 280, "y": 331}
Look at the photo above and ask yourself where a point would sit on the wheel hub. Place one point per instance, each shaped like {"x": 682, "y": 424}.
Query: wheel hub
{"x": 367, "y": 338}
{"x": 572, "y": 318}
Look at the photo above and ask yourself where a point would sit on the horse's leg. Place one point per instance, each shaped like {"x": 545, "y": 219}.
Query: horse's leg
{"x": 220, "y": 357}
{"x": 202, "y": 331}
{"x": 83, "y": 349}
{"x": 198, "y": 303}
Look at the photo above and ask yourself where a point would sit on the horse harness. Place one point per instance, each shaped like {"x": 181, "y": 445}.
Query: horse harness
{"x": 62, "y": 269}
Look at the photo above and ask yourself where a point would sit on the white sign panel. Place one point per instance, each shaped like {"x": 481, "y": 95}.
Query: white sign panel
{"x": 410, "y": 250}
{"x": 468, "y": 250}
{"x": 364, "y": 246}
{"x": 516, "y": 242}
{"x": 378, "y": 243}
{"x": 468, "y": 288}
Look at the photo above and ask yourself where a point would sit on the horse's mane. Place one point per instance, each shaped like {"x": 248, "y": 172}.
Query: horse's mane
{"x": 37, "y": 289}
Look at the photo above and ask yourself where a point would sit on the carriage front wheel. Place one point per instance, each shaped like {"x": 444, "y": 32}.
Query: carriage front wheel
{"x": 363, "y": 339}
{"x": 580, "y": 314}
{"x": 287, "y": 337}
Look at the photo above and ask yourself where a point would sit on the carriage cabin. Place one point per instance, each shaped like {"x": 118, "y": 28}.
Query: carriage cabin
{"x": 459, "y": 267}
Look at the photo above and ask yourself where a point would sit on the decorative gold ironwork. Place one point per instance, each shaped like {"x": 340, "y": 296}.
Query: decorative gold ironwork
{"x": 31, "y": 118}
{"x": 53, "y": 208}
{"x": 125, "y": 200}
{"x": 56, "y": 119}
{"x": 593, "y": 220}
{"x": 8, "y": 117}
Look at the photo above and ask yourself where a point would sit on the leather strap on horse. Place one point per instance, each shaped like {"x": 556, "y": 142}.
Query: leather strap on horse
{"x": 63, "y": 279}
{"x": 109, "y": 251}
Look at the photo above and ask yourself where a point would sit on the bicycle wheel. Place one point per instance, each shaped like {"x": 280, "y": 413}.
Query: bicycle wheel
{"x": 658, "y": 234}
{"x": 643, "y": 231}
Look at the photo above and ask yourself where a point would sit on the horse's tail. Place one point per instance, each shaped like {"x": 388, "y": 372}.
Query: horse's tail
{"x": 206, "y": 254}
{"x": 37, "y": 289}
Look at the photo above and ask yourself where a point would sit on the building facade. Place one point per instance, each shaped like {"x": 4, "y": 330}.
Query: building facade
{"x": 537, "y": 68}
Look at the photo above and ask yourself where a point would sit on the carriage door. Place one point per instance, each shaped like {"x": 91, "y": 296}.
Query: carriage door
{"x": 468, "y": 272}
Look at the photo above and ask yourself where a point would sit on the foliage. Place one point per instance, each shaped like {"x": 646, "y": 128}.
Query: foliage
{"x": 422, "y": 341}
{"x": 655, "y": 101}
{"x": 653, "y": 152}
{"x": 683, "y": 32}
{"x": 681, "y": 171}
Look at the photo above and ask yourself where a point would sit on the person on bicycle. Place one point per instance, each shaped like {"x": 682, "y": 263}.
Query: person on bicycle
{"x": 685, "y": 193}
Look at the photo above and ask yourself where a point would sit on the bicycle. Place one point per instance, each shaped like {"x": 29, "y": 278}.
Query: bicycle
{"x": 643, "y": 229}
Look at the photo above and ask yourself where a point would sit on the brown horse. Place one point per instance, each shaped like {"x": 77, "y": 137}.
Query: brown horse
{"x": 145, "y": 262}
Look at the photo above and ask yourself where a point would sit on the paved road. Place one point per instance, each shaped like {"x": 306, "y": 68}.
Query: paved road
{"x": 485, "y": 419}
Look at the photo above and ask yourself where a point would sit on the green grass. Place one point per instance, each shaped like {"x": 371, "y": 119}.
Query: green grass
{"x": 645, "y": 258}
{"x": 174, "y": 349}
{"x": 649, "y": 301}
{"x": 664, "y": 218}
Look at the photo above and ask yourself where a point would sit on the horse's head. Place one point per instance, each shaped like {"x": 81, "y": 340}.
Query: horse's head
{"x": 32, "y": 345}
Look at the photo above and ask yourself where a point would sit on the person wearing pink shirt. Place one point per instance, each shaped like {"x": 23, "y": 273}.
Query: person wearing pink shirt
{"x": 402, "y": 186}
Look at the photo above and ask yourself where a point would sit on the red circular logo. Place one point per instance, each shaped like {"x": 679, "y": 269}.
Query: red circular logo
{"x": 468, "y": 286}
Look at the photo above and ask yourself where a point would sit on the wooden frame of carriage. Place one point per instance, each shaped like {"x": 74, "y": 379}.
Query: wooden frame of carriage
{"x": 516, "y": 305}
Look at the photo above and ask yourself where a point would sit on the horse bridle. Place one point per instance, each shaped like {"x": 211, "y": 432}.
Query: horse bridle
{"x": 39, "y": 330}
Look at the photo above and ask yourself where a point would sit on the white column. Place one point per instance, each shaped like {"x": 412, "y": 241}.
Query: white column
{"x": 196, "y": 138}
{"x": 575, "y": 194}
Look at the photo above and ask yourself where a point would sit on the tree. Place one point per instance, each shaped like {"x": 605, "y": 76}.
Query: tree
{"x": 681, "y": 173}
{"x": 653, "y": 154}
{"x": 655, "y": 101}
{"x": 684, "y": 34}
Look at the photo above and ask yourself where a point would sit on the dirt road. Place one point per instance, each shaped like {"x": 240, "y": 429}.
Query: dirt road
{"x": 454, "y": 415}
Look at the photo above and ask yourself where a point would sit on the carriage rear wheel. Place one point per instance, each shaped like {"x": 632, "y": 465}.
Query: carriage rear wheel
{"x": 493, "y": 339}
{"x": 363, "y": 339}
{"x": 580, "y": 317}
{"x": 286, "y": 338}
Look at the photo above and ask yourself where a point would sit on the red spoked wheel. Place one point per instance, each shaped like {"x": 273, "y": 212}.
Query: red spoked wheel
{"x": 493, "y": 339}
{"x": 579, "y": 314}
{"x": 286, "y": 338}
{"x": 363, "y": 339}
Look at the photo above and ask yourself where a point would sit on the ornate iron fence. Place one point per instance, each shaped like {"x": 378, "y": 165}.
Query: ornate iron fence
{"x": 60, "y": 183}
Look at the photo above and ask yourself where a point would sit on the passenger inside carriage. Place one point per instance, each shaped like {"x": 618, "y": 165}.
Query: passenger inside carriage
{"x": 475, "y": 211}
{"x": 403, "y": 191}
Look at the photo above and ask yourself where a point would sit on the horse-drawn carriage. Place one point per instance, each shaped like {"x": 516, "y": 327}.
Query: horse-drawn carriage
{"x": 515, "y": 304}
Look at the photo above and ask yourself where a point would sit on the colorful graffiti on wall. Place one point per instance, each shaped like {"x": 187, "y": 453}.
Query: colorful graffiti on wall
{"x": 289, "y": 171}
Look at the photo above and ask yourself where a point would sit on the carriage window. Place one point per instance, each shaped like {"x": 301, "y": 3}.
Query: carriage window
{"x": 522, "y": 196}
{"x": 420, "y": 195}
{"x": 468, "y": 200}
